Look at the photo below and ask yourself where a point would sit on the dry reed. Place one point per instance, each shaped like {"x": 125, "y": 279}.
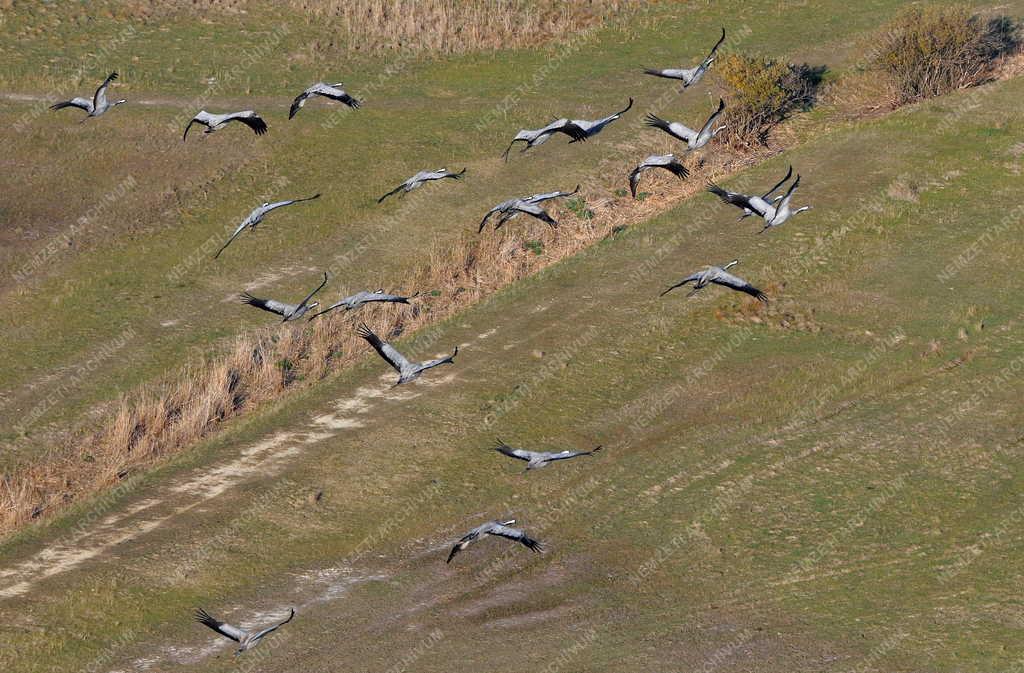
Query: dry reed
{"x": 455, "y": 26}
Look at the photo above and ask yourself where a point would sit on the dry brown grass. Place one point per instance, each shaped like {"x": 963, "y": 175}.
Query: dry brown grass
{"x": 159, "y": 421}
{"x": 455, "y": 26}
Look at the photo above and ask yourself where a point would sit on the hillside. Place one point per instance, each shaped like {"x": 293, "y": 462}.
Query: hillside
{"x": 829, "y": 482}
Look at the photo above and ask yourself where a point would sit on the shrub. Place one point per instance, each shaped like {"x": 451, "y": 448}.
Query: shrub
{"x": 762, "y": 92}
{"x": 930, "y": 51}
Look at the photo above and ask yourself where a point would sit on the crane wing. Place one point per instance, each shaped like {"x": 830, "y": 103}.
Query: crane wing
{"x": 739, "y": 200}
{"x": 634, "y": 178}
{"x": 271, "y": 305}
{"x": 383, "y": 348}
{"x": 715, "y": 48}
{"x": 310, "y": 295}
{"x": 714, "y": 115}
{"x": 692, "y": 278}
{"x": 77, "y": 101}
{"x": 676, "y": 168}
{"x": 778, "y": 184}
{"x": 274, "y": 627}
{"x": 728, "y": 280}
{"x": 564, "y": 455}
{"x": 239, "y": 230}
{"x": 511, "y": 452}
{"x": 234, "y": 633}
{"x": 342, "y": 97}
{"x": 515, "y": 534}
{"x": 288, "y": 202}
{"x": 101, "y": 92}
{"x": 250, "y": 119}
{"x": 674, "y": 129}
{"x": 393, "y": 191}
{"x": 536, "y": 211}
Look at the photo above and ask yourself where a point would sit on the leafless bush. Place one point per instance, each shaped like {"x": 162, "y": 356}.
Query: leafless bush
{"x": 930, "y": 51}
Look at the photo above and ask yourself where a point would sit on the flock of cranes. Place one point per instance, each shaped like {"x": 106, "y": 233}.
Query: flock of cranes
{"x": 774, "y": 210}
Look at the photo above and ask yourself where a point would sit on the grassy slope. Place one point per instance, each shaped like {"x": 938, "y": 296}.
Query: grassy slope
{"x": 814, "y": 521}
{"x": 115, "y": 276}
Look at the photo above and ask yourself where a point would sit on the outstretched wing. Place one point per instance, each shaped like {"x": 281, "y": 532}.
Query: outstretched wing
{"x": 728, "y": 280}
{"x": 634, "y": 178}
{"x": 714, "y": 115}
{"x": 547, "y": 196}
{"x": 239, "y": 230}
{"x": 692, "y": 278}
{"x": 274, "y": 627}
{"x": 226, "y": 630}
{"x": 77, "y": 101}
{"x": 490, "y": 212}
{"x": 288, "y": 202}
{"x": 565, "y": 455}
{"x": 190, "y": 123}
{"x": 340, "y": 96}
{"x": 674, "y": 129}
{"x": 271, "y": 305}
{"x": 250, "y": 119}
{"x": 516, "y": 534}
{"x": 676, "y": 168}
{"x": 310, "y": 295}
{"x": 778, "y": 184}
{"x": 462, "y": 543}
{"x": 393, "y": 191}
{"x": 736, "y": 199}
{"x": 100, "y": 97}
{"x": 383, "y": 348}
{"x": 511, "y": 452}
{"x": 538, "y": 212}
{"x": 297, "y": 104}
{"x": 715, "y": 48}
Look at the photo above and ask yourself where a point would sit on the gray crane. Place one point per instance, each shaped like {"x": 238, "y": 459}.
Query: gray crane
{"x": 257, "y": 215}
{"x": 365, "y": 297}
{"x": 246, "y": 639}
{"x": 694, "y": 139}
{"x": 407, "y": 371}
{"x": 666, "y": 161}
{"x": 331, "y": 91}
{"x": 499, "y": 529}
{"x": 95, "y": 106}
{"x": 535, "y": 137}
{"x": 526, "y": 204}
{"x": 288, "y": 312}
{"x": 774, "y": 212}
{"x": 764, "y": 198}
{"x": 690, "y": 76}
{"x": 538, "y": 459}
{"x": 215, "y": 122}
{"x": 719, "y": 275}
{"x": 421, "y": 178}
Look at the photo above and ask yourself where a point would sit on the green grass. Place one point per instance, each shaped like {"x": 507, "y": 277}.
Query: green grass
{"x": 793, "y": 509}
{"x": 726, "y": 497}
{"x": 114, "y": 274}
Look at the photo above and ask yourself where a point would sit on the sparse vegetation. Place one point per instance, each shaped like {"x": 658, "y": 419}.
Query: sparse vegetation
{"x": 929, "y": 51}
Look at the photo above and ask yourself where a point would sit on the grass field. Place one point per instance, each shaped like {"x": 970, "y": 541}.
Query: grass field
{"x": 826, "y": 483}
{"x": 72, "y": 292}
